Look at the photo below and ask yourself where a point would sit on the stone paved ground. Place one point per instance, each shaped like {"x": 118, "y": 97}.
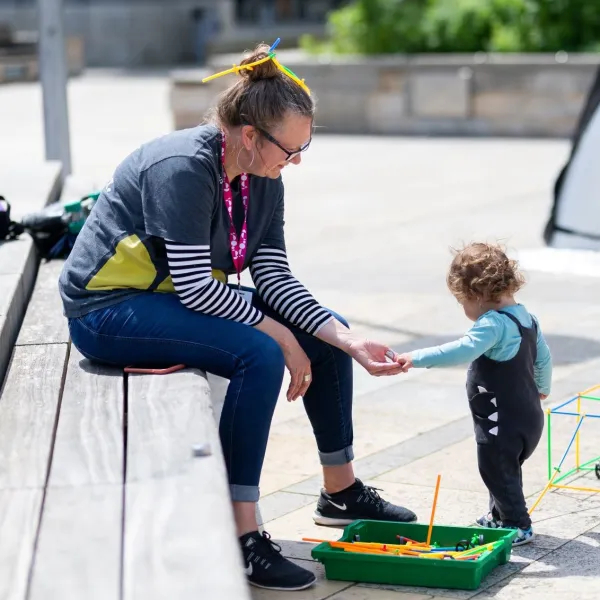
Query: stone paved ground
{"x": 369, "y": 224}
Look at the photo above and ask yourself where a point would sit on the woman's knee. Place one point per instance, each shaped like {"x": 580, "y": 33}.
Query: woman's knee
{"x": 260, "y": 376}
{"x": 267, "y": 356}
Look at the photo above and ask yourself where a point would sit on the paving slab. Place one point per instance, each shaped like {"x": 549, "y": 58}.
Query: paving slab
{"x": 406, "y": 452}
{"x": 362, "y": 593}
{"x": 571, "y": 571}
{"x": 299, "y": 524}
{"x": 460, "y": 474}
{"x": 279, "y": 504}
{"x": 464, "y": 473}
{"x": 321, "y": 590}
{"x": 454, "y": 507}
{"x": 556, "y": 531}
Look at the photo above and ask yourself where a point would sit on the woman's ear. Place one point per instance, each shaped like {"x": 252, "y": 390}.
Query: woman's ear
{"x": 249, "y": 135}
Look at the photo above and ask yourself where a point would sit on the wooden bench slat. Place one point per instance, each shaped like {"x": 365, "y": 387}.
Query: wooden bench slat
{"x": 28, "y": 406}
{"x": 167, "y": 415}
{"x": 19, "y": 518}
{"x": 44, "y": 322}
{"x": 28, "y": 187}
{"x": 79, "y": 547}
{"x": 180, "y": 540}
{"x": 12, "y": 309}
{"x": 89, "y": 437}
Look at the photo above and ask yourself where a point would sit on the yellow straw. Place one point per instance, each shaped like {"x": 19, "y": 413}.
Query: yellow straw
{"x": 293, "y": 77}
{"x": 589, "y": 390}
{"x": 576, "y": 489}
{"x": 545, "y": 490}
{"x": 237, "y": 68}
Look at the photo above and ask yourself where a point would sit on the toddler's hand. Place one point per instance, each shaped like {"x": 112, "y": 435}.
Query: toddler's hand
{"x": 543, "y": 396}
{"x": 405, "y": 360}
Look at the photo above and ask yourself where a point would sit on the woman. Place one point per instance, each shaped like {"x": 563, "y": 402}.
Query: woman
{"x": 146, "y": 283}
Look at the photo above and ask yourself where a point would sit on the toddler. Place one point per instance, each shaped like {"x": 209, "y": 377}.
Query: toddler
{"x": 509, "y": 374}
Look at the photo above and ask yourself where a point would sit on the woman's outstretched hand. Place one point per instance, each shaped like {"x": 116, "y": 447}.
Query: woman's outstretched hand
{"x": 374, "y": 356}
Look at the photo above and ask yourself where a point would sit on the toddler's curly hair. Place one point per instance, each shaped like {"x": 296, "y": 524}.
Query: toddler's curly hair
{"x": 483, "y": 271}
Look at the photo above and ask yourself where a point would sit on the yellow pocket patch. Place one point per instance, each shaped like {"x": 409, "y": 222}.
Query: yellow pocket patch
{"x": 129, "y": 267}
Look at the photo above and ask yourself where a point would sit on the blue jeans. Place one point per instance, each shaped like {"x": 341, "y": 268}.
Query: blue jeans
{"x": 156, "y": 330}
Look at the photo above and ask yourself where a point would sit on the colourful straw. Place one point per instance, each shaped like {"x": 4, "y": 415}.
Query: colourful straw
{"x": 435, "y": 497}
{"x": 287, "y": 72}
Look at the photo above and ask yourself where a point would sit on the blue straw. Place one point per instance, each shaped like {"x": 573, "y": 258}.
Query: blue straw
{"x": 275, "y": 44}
{"x": 572, "y": 414}
{"x": 564, "y": 404}
{"x": 562, "y": 460}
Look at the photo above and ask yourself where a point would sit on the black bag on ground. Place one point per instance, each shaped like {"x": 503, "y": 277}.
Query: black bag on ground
{"x": 54, "y": 229}
{"x": 9, "y": 230}
{"x": 48, "y": 227}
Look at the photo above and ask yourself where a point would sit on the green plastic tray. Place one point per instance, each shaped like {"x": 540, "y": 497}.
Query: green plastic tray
{"x": 408, "y": 570}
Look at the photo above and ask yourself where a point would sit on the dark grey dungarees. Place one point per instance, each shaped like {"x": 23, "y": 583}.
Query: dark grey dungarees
{"x": 509, "y": 420}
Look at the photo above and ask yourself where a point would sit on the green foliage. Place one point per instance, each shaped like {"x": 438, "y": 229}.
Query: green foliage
{"x": 406, "y": 26}
{"x": 458, "y": 25}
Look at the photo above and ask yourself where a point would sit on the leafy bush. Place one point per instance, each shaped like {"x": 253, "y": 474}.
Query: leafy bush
{"x": 399, "y": 26}
{"x": 569, "y": 25}
{"x": 458, "y": 25}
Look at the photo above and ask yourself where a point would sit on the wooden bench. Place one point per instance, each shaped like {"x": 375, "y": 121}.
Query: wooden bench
{"x": 100, "y": 495}
{"x": 28, "y": 188}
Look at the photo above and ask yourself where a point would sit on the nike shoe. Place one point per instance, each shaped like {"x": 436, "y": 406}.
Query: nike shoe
{"x": 524, "y": 536}
{"x": 359, "y": 501}
{"x": 489, "y": 521}
{"x": 266, "y": 568}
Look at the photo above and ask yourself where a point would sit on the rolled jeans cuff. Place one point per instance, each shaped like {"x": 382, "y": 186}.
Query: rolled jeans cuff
{"x": 337, "y": 458}
{"x": 244, "y": 493}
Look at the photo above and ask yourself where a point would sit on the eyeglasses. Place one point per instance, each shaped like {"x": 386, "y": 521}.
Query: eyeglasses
{"x": 289, "y": 154}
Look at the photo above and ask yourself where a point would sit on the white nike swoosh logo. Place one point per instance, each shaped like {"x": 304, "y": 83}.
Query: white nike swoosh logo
{"x": 248, "y": 570}
{"x": 343, "y": 507}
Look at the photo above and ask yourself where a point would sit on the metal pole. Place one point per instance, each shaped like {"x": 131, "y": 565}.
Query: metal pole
{"x": 53, "y": 75}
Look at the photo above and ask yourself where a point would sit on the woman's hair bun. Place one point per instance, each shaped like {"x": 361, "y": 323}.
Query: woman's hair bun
{"x": 266, "y": 70}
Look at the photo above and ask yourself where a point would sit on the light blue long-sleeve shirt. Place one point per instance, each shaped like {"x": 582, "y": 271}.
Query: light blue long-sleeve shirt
{"x": 495, "y": 336}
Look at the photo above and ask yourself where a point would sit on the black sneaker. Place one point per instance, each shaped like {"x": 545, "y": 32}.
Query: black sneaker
{"x": 359, "y": 501}
{"x": 266, "y": 568}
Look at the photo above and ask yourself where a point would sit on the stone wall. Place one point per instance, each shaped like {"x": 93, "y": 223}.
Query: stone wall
{"x": 514, "y": 95}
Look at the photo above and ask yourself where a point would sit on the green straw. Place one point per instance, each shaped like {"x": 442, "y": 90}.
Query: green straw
{"x": 549, "y": 445}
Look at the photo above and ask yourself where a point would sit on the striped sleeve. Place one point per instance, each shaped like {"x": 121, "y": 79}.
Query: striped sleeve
{"x": 191, "y": 272}
{"x": 281, "y": 291}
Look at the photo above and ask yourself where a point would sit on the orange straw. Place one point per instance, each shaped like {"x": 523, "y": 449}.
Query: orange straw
{"x": 437, "y": 489}
{"x": 366, "y": 551}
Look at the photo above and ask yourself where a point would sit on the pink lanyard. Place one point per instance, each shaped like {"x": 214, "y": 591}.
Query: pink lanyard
{"x": 238, "y": 247}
